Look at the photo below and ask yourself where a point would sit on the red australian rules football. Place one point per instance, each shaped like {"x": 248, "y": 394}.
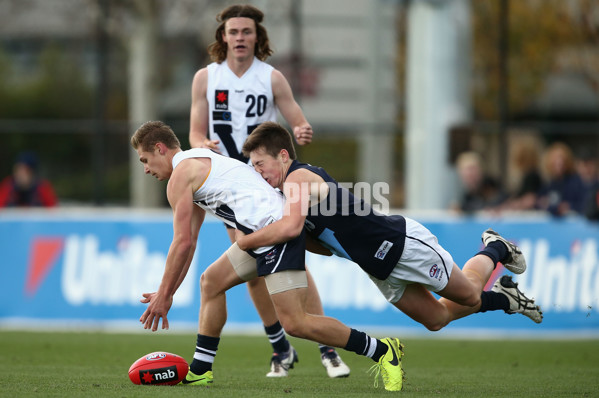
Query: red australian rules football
{"x": 158, "y": 368}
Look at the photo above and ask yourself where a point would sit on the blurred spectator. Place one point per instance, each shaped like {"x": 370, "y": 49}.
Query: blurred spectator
{"x": 592, "y": 204}
{"x": 480, "y": 191}
{"x": 587, "y": 169}
{"x": 526, "y": 161}
{"x": 563, "y": 192}
{"x": 24, "y": 188}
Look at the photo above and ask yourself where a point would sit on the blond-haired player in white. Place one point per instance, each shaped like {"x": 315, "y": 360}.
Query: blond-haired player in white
{"x": 201, "y": 181}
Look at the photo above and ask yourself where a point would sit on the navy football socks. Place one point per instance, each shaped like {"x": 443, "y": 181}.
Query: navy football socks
{"x": 493, "y": 301}
{"x": 276, "y": 336}
{"x": 496, "y": 251}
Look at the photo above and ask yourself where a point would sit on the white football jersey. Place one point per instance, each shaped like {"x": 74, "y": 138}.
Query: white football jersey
{"x": 237, "y": 105}
{"x": 235, "y": 193}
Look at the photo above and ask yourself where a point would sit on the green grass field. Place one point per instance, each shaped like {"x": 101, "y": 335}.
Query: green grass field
{"x": 96, "y": 364}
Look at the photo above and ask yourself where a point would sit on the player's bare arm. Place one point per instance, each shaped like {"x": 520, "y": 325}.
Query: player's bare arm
{"x": 289, "y": 108}
{"x": 179, "y": 194}
{"x": 280, "y": 231}
{"x": 199, "y": 117}
{"x": 196, "y": 222}
{"x": 301, "y": 188}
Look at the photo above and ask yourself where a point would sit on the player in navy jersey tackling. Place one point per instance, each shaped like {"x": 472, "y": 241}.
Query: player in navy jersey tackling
{"x": 200, "y": 181}
{"x": 230, "y": 97}
{"x": 402, "y": 257}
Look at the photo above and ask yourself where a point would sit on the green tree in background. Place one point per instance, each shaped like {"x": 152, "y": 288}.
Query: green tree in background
{"x": 544, "y": 37}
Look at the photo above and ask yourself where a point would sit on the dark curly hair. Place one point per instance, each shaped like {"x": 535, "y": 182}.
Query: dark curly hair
{"x": 218, "y": 49}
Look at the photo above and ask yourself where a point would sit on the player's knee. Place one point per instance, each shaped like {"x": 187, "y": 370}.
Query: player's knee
{"x": 434, "y": 325}
{"x": 209, "y": 286}
{"x": 204, "y": 283}
{"x": 294, "y": 327}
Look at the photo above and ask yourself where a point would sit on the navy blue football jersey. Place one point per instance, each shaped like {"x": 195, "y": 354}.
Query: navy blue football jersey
{"x": 350, "y": 228}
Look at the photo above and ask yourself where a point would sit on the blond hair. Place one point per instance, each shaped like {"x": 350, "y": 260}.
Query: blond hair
{"x": 153, "y": 132}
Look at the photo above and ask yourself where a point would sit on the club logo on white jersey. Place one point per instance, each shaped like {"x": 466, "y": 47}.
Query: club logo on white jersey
{"x": 383, "y": 250}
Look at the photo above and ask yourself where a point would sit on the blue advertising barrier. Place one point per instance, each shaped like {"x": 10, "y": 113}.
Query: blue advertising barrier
{"x": 91, "y": 267}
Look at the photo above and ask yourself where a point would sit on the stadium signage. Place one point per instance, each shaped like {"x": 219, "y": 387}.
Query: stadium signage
{"x": 74, "y": 269}
{"x": 114, "y": 276}
{"x": 563, "y": 282}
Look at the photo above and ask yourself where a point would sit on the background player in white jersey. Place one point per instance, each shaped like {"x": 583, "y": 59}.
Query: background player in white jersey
{"x": 230, "y": 97}
{"x": 402, "y": 257}
{"x": 239, "y": 196}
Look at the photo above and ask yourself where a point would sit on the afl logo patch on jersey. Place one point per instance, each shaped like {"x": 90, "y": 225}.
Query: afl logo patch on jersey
{"x": 436, "y": 272}
{"x": 270, "y": 257}
{"x": 383, "y": 250}
{"x": 221, "y": 100}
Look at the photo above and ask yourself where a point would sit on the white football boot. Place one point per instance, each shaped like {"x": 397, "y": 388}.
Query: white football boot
{"x": 334, "y": 364}
{"x": 515, "y": 261}
{"x": 519, "y": 303}
{"x": 281, "y": 363}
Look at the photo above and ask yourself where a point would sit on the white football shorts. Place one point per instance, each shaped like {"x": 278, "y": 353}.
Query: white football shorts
{"x": 423, "y": 261}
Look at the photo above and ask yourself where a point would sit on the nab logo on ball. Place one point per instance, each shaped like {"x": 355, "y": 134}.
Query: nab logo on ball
{"x": 159, "y": 376}
{"x": 158, "y": 368}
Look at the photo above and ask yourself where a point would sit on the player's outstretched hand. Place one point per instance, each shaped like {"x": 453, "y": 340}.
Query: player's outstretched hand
{"x": 158, "y": 308}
